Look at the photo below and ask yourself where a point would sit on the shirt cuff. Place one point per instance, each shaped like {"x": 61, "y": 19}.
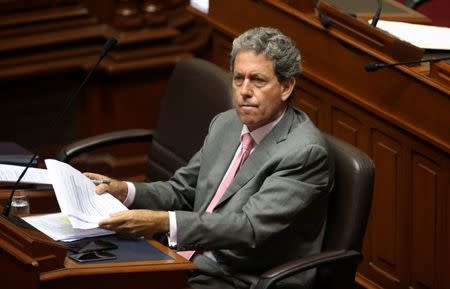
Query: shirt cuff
{"x": 131, "y": 194}
{"x": 172, "y": 239}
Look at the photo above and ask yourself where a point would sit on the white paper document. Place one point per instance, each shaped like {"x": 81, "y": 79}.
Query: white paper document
{"x": 11, "y": 173}
{"x": 77, "y": 198}
{"x": 201, "y": 5}
{"x": 58, "y": 227}
{"x": 423, "y": 36}
{"x": 81, "y": 207}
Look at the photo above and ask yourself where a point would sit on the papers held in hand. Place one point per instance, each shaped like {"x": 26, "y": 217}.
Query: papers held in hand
{"x": 77, "y": 198}
{"x": 81, "y": 207}
{"x": 57, "y": 226}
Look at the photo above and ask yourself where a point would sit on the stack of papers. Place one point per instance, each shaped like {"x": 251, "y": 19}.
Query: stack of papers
{"x": 58, "y": 227}
{"x": 201, "y": 5}
{"x": 10, "y": 174}
{"x": 77, "y": 197}
{"x": 423, "y": 36}
{"x": 81, "y": 207}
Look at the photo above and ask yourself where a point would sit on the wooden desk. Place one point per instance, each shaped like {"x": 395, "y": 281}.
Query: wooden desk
{"x": 391, "y": 10}
{"x": 30, "y": 259}
{"x": 164, "y": 274}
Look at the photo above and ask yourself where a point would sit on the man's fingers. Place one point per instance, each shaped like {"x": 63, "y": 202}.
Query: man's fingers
{"x": 93, "y": 176}
{"x": 112, "y": 222}
{"x": 119, "y": 214}
{"x": 137, "y": 223}
{"x": 102, "y": 188}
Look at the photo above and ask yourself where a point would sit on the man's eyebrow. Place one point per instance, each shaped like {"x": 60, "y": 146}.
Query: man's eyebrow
{"x": 258, "y": 75}
{"x": 252, "y": 75}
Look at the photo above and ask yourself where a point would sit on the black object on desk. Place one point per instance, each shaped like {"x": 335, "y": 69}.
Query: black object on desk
{"x": 14, "y": 154}
{"x": 87, "y": 245}
{"x": 94, "y": 256}
{"x": 128, "y": 250}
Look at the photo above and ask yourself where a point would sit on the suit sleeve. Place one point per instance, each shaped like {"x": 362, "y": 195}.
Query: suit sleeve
{"x": 178, "y": 193}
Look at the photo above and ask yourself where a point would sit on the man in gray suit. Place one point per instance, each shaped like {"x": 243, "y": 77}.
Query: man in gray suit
{"x": 256, "y": 193}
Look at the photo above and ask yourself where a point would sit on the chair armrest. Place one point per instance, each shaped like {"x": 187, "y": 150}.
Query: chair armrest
{"x": 290, "y": 268}
{"x": 88, "y": 144}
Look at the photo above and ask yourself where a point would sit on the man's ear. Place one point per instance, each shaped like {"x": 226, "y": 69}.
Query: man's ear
{"x": 287, "y": 86}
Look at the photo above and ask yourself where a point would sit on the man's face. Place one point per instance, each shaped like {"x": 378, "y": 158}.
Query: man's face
{"x": 258, "y": 96}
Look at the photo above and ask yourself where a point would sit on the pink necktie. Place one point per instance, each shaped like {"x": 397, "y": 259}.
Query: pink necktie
{"x": 247, "y": 145}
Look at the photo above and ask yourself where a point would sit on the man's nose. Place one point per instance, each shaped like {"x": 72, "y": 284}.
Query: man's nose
{"x": 247, "y": 88}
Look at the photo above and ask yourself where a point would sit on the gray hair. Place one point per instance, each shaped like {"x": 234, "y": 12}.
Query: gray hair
{"x": 274, "y": 45}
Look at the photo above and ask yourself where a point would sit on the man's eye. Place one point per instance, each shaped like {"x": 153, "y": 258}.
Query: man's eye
{"x": 238, "y": 80}
{"x": 259, "y": 82}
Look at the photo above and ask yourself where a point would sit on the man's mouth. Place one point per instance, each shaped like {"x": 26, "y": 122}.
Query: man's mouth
{"x": 248, "y": 105}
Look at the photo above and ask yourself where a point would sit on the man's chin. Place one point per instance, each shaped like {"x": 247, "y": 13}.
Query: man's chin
{"x": 249, "y": 122}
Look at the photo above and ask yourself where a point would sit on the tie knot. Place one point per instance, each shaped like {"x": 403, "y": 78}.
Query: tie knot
{"x": 247, "y": 141}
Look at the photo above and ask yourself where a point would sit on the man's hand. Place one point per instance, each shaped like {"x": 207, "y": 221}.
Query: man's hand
{"x": 137, "y": 223}
{"x": 116, "y": 188}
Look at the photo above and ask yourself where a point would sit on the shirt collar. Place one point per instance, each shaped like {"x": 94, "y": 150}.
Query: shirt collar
{"x": 260, "y": 133}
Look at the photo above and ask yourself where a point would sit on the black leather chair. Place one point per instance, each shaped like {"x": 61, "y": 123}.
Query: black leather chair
{"x": 197, "y": 91}
{"x": 348, "y": 214}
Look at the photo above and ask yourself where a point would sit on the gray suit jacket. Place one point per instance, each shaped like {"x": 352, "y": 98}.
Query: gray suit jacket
{"x": 273, "y": 211}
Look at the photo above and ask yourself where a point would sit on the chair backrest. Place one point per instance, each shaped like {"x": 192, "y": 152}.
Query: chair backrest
{"x": 197, "y": 91}
{"x": 348, "y": 212}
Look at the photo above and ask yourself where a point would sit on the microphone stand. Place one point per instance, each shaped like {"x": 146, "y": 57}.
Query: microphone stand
{"x": 109, "y": 45}
{"x": 326, "y": 23}
{"x": 376, "y": 17}
{"x": 371, "y": 66}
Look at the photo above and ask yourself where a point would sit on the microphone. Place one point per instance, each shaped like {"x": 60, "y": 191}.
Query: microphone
{"x": 377, "y": 14}
{"x": 371, "y": 66}
{"x": 414, "y": 4}
{"x": 323, "y": 17}
{"x": 326, "y": 23}
{"x": 109, "y": 45}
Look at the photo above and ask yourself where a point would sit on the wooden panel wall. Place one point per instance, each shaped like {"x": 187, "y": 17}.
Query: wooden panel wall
{"x": 387, "y": 114}
{"x": 46, "y": 49}
{"x": 405, "y": 246}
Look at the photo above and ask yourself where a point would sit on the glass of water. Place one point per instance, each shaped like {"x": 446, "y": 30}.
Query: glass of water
{"x": 20, "y": 204}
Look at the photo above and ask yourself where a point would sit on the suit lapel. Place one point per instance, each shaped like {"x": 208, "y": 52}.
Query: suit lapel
{"x": 226, "y": 145}
{"x": 263, "y": 151}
